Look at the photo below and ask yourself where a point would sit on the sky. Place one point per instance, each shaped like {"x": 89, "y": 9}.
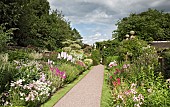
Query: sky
{"x": 95, "y": 19}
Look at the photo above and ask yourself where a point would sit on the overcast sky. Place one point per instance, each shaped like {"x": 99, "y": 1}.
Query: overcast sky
{"x": 96, "y": 19}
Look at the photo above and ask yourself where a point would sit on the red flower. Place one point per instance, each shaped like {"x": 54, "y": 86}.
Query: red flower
{"x": 115, "y": 72}
{"x": 118, "y": 70}
{"x": 114, "y": 83}
{"x": 110, "y": 77}
{"x": 118, "y": 81}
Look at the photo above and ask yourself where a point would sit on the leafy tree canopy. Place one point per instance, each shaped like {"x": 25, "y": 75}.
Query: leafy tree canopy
{"x": 35, "y": 25}
{"x": 149, "y": 25}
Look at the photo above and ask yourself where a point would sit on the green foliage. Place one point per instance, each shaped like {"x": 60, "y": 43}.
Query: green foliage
{"x": 110, "y": 59}
{"x": 18, "y": 54}
{"x": 107, "y": 48}
{"x": 166, "y": 63}
{"x": 88, "y": 62}
{"x": 149, "y": 25}
{"x": 96, "y": 57}
{"x": 71, "y": 71}
{"x": 7, "y": 72}
{"x": 138, "y": 83}
{"x": 4, "y": 38}
{"x": 36, "y": 26}
{"x": 130, "y": 49}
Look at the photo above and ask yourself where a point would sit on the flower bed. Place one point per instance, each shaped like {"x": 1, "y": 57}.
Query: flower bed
{"x": 31, "y": 83}
{"x": 139, "y": 84}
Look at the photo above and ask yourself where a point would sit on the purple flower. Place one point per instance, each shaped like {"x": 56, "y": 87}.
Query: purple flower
{"x": 42, "y": 77}
{"x": 57, "y": 71}
{"x": 64, "y": 76}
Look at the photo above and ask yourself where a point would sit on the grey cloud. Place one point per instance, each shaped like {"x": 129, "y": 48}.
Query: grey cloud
{"x": 103, "y": 13}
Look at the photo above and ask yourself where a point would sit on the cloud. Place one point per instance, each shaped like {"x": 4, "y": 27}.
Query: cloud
{"x": 92, "y": 17}
{"x": 96, "y": 38}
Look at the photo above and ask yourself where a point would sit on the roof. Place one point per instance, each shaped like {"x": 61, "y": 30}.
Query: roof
{"x": 160, "y": 44}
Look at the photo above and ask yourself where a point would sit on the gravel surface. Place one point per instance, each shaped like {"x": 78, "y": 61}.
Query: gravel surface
{"x": 87, "y": 93}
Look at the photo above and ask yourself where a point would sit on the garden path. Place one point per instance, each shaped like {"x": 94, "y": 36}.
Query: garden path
{"x": 87, "y": 93}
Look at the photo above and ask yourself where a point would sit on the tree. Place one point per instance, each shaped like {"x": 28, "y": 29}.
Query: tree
{"x": 35, "y": 25}
{"x": 149, "y": 25}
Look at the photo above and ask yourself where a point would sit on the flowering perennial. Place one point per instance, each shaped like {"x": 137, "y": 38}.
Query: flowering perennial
{"x": 112, "y": 64}
{"x": 57, "y": 72}
{"x": 32, "y": 91}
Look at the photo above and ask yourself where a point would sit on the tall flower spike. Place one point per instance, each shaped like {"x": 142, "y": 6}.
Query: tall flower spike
{"x": 59, "y": 56}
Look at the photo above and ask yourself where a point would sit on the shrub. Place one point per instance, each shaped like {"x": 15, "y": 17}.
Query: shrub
{"x": 18, "y": 54}
{"x": 131, "y": 48}
{"x": 96, "y": 57}
{"x": 165, "y": 60}
{"x": 110, "y": 59}
{"x": 4, "y": 38}
{"x": 35, "y": 55}
{"x": 88, "y": 62}
{"x": 71, "y": 72}
{"x": 7, "y": 72}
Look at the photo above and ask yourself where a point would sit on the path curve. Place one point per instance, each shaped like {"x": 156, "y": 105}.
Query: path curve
{"x": 87, "y": 93}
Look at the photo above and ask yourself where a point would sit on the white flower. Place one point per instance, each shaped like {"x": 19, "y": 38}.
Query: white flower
{"x": 50, "y": 62}
{"x": 27, "y": 98}
{"x": 22, "y": 94}
{"x": 6, "y": 103}
{"x": 135, "y": 99}
{"x": 168, "y": 80}
{"x": 112, "y": 64}
{"x": 12, "y": 84}
{"x": 69, "y": 57}
{"x": 133, "y": 85}
{"x": 120, "y": 97}
{"x": 64, "y": 55}
{"x": 133, "y": 91}
{"x": 59, "y": 56}
{"x": 137, "y": 105}
{"x": 141, "y": 97}
{"x": 149, "y": 90}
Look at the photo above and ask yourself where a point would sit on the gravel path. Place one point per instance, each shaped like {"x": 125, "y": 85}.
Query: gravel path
{"x": 87, "y": 93}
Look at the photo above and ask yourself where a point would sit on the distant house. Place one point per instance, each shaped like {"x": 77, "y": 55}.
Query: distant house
{"x": 160, "y": 44}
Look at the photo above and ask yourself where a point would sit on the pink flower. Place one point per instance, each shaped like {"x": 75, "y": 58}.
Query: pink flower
{"x": 124, "y": 66}
{"x": 51, "y": 68}
{"x": 112, "y": 64}
{"x": 64, "y": 76}
{"x": 114, "y": 83}
{"x": 57, "y": 71}
{"x": 128, "y": 92}
{"x": 42, "y": 77}
{"x": 118, "y": 81}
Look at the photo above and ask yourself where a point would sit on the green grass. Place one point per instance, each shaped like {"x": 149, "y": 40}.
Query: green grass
{"x": 106, "y": 99}
{"x": 60, "y": 93}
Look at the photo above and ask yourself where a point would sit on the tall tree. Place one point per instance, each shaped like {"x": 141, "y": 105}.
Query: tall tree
{"x": 149, "y": 25}
{"x": 35, "y": 25}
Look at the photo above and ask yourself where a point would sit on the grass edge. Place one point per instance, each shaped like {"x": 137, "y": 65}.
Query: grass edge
{"x": 106, "y": 95}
